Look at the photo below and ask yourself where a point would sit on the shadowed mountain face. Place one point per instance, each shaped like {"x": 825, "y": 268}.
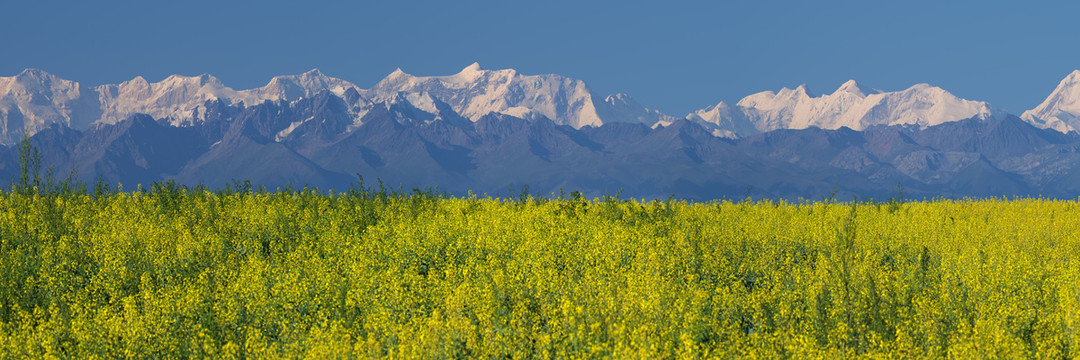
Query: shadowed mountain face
{"x": 318, "y": 141}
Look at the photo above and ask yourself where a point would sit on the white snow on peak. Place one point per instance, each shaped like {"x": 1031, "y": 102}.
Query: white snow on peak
{"x": 471, "y": 74}
{"x": 853, "y": 88}
{"x": 1061, "y": 110}
{"x": 471, "y": 69}
{"x": 397, "y": 73}
{"x": 177, "y": 98}
{"x": 803, "y": 89}
{"x": 294, "y": 87}
{"x": 475, "y": 92}
{"x": 724, "y": 119}
{"x": 181, "y": 99}
{"x": 37, "y": 81}
{"x": 422, "y": 101}
{"x": 849, "y": 106}
{"x": 35, "y": 99}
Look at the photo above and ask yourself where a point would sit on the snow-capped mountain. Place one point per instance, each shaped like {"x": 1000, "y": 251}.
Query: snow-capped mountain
{"x": 314, "y": 129}
{"x": 724, "y": 120}
{"x": 474, "y": 92}
{"x": 849, "y": 106}
{"x": 180, "y": 99}
{"x": 293, "y": 87}
{"x": 34, "y": 100}
{"x": 1061, "y": 110}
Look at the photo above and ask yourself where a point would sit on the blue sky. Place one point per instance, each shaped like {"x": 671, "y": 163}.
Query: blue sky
{"x": 676, "y": 56}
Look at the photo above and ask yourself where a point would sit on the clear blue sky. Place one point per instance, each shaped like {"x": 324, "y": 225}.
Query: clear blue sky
{"x": 675, "y": 56}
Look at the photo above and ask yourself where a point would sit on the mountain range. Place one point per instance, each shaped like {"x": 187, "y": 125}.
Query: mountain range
{"x": 487, "y": 131}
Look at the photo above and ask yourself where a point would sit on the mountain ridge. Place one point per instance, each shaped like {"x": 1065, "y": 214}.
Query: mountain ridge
{"x": 486, "y": 131}
{"x": 406, "y": 147}
{"x": 1061, "y": 110}
{"x": 34, "y": 99}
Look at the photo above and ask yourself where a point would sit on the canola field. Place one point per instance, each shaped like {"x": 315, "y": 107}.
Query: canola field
{"x": 172, "y": 272}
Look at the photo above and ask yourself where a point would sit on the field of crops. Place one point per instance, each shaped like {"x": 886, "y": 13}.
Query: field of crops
{"x": 176, "y": 272}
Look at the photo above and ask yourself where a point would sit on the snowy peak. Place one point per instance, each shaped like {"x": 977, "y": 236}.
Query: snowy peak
{"x": 137, "y": 83}
{"x": 475, "y": 66}
{"x": 471, "y": 70}
{"x": 33, "y": 73}
{"x": 35, "y": 81}
{"x": 181, "y": 99}
{"x": 803, "y": 90}
{"x": 473, "y": 73}
{"x": 852, "y": 87}
{"x": 183, "y": 87}
{"x": 294, "y": 87}
{"x": 1073, "y": 78}
{"x": 396, "y": 74}
{"x": 190, "y": 83}
{"x": 849, "y": 86}
{"x": 723, "y": 120}
{"x": 35, "y": 99}
{"x": 177, "y": 98}
{"x": 925, "y": 105}
{"x": 769, "y": 99}
{"x": 1061, "y": 110}
{"x": 474, "y": 92}
{"x": 33, "y": 76}
{"x": 849, "y": 106}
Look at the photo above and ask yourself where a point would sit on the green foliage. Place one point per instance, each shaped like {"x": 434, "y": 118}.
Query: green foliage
{"x": 30, "y": 179}
{"x": 174, "y": 271}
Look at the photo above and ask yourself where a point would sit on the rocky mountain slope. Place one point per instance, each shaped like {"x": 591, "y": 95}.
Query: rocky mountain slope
{"x": 34, "y": 99}
{"x": 489, "y": 131}
{"x": 406, "y": 146}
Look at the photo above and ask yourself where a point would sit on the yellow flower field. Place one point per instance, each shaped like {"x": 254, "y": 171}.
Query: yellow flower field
{"x": 174, "y": 272}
